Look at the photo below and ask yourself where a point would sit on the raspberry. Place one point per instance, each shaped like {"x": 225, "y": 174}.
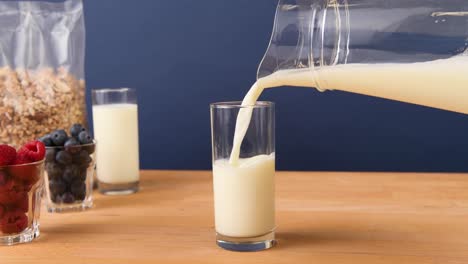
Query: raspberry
{"x": 6, "y": 183}
{"x": 3, "y": 178}
{"x": 14, "y": 196}
{"x": 21, "y": 158}
{"x": 33, "y": 150}
{"x": 27, "y": 174}
{"x": 7, "y": 155}
{"x": 13, "y": 222}
{"x": 22, "y": 202}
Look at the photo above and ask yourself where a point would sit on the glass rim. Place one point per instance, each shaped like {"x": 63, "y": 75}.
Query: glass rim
{"x": 24, "y": 165}
{"x": 112, "y": 90}
{"x": 94, "y": 143}
{"x": 238, "y": 104}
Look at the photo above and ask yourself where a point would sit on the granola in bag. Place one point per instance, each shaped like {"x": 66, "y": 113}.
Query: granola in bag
{"x": 42, "y": 84}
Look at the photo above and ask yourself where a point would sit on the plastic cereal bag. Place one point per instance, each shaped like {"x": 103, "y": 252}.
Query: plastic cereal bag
{"x": 42, "y": 88}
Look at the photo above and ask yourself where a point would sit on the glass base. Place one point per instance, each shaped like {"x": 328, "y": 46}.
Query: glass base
{"x": 118, "y": 188}
{"x": 246, "y": 244}
{"x": 26, "y": 236}
{"x": 63, "y": 208}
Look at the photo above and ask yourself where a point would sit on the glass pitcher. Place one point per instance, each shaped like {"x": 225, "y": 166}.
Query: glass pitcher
{"x": 414, "y": 51}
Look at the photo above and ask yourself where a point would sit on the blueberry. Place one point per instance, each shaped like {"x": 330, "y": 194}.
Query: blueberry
{"x": 68, "y": 178}
{"x": 72, "y": 145}
{"x": 57, "y": 187}
{"x": 87, "y": 161}
{"x": 90, "y": 148}
{"x": 70, "y": 173}
{"x": 63, "y": 157}
{"x": 56, "y": 198}
{"x": 80, "y": 196}
{"x": 85, "y": 138}
{"x": 67, "y": 198}
{"x": 59, "y": 137}
{"x": 54, "y": 170}
{"x": 76, "y": 129}
{"x": 78, "y": 189}
{"x": 50, "y": 154}
{"x": 82, "y": 158}
{"x": 47, "y": 140}
{"x": 82, "y": 173}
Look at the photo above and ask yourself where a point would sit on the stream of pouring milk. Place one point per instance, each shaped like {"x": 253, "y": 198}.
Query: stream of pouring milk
{"x": 440, "y": 84}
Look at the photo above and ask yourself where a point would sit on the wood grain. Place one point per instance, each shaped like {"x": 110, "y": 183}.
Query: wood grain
{"x": 322, "y": 218}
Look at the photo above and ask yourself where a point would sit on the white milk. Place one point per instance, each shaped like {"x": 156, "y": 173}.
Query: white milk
{"x": 244, "y": 196}
{"x": 441, "y": 84}
{"x": 116, "y": 133}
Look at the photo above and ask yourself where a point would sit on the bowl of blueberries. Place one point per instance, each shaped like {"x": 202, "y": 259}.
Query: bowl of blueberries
{"x": 70, "y": 167}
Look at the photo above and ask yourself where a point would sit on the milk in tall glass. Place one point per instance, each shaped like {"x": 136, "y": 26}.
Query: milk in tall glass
{"x": 115, "y": 119}
{"x": 244, "y": 192}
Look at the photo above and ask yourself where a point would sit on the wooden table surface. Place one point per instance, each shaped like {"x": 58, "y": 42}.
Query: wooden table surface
{"x": 322, "y": 217}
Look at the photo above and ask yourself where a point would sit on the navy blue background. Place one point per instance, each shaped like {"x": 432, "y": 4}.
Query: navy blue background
{"x": 182, "y": 55}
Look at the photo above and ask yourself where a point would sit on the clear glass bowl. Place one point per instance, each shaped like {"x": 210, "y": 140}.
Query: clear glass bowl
{"x": 69, "y": 177}
{"x": 20, "y": 202}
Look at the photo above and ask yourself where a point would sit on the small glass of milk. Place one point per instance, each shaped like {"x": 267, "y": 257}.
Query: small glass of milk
{"x": 243, "y": 175}
{"x": 115, "y": 121}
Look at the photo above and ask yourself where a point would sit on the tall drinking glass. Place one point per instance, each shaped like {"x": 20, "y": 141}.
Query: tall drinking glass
{"x": 115, "y": 119}
{"x": 244, "y": 186}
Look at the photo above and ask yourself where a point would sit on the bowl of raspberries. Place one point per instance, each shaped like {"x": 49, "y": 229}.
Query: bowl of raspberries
{"x": 70, "y": 166}
{"x": 20, "y": 192}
